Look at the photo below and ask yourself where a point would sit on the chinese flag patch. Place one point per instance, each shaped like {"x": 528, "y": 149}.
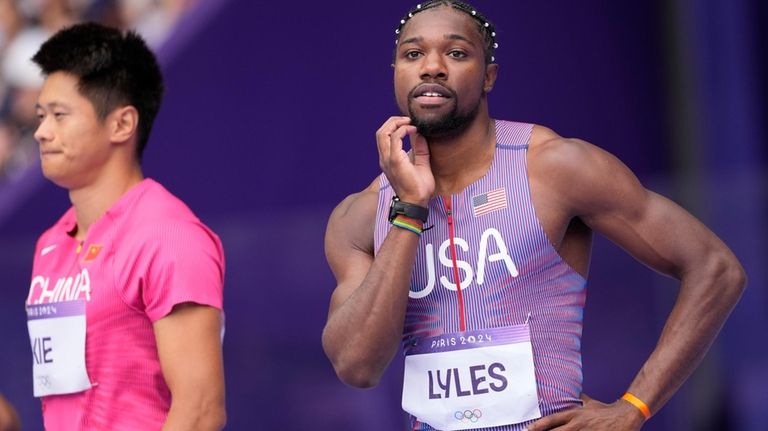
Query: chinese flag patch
{"x": 93, "y": 251}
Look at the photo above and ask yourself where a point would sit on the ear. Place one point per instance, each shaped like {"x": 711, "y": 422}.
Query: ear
{"x": 124, "y": 122}
{"x": 491, "y": 72}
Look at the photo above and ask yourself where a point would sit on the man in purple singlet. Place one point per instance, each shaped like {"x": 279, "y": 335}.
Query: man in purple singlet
{"x": 472, "y": 249}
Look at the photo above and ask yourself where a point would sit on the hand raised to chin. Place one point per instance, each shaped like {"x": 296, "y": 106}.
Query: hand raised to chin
{"x": 409, "y": 173}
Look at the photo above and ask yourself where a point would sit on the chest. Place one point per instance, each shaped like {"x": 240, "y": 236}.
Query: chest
{"x": 68, "y": 270}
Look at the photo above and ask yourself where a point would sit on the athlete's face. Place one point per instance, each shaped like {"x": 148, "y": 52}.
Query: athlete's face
{"x": 74, "y": 141}
{"x": 441, "y": 77}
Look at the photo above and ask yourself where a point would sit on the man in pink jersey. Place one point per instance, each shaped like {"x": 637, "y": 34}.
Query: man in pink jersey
{"x": 125, "y": 304}
{"x": 472, "y": 250}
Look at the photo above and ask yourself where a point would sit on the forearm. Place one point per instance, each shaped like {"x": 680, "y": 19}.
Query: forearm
{"x": 362, "y": 334}
{"x": 189, "y": 348}
{"x": 707, "y": 296}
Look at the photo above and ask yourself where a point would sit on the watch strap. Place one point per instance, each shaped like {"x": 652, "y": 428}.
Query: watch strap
{"x": 407, "y": 209}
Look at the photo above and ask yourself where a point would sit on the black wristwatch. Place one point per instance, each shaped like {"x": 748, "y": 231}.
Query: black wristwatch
{"x": 409, "y": 210}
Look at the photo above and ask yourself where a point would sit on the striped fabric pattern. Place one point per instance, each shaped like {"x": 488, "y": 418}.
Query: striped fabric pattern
{"x": 508, "y": 269}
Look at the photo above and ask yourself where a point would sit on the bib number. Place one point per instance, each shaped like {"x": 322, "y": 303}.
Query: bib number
{"x": 57, "y": 336}
{"x": 473, "y": 379}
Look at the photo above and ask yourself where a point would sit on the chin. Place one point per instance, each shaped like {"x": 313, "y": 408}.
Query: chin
{"x": 439, "y": 127}
{"x": 431, "y": 124}
{"x": 57, "y": 178}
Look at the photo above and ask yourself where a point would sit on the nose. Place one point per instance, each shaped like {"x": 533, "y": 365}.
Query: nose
{"x": 433, "y": 66}
{"x": 43, "y": 131}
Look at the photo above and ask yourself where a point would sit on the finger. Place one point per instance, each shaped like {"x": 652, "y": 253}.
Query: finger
{"x": 391, "y": 125}
{"x": 396, "y": 151}
{"x": 384, "y": 133}
{"x": 420, "y": 148}
{"x": 586, "y": 398}
{"x": 552, "y": 421}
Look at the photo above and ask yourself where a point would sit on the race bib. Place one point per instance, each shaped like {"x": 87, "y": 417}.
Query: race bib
{"x": 57, "y": 335}
{"x": 473, "y": 379}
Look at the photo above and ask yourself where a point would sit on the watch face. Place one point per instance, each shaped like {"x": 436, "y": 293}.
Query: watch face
{"x": 393, "y": 208}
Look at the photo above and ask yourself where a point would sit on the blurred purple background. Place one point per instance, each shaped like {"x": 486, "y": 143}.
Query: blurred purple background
{"x": 269, "y": 121}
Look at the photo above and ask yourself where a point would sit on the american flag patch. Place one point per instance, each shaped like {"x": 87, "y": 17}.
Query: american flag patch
{"x": 489, "y": 201}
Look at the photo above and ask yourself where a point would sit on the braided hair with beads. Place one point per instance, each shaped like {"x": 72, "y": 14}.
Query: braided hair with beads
{"x": 485, "y": 27}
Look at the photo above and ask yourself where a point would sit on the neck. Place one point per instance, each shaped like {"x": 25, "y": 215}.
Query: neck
{"x": 91, "y": 201}
{"x": 458, "y": 161}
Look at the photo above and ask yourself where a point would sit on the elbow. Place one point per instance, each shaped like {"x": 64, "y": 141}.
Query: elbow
{"x": 204, "y": 413}
{"x": 738, "y": 279}
{"x": 731, "y": 277}
{"x": 217, "y": 419}
{"x": 212, "y": 417}
{"x": 213, "y": 411}
{"x": 351, "y": 368}
{"x": 356, "y": 374}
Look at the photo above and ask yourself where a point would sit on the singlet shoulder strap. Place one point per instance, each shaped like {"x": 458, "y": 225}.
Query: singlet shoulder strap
{"x": 513, "y": 135}
{"x": 384, "y": 184}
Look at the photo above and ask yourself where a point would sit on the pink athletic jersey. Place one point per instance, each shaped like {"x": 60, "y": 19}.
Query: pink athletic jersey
{"x": 147, "y": 253}
{"x": 508, "y": 271}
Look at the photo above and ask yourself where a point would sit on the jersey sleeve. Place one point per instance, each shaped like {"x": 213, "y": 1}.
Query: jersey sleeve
{"x": 186, "y": 265}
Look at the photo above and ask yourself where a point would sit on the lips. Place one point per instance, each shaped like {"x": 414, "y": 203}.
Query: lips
{"x": 431, "y": 95}
{"x": 49, "y": 152}
{"x": 431, "y": 90}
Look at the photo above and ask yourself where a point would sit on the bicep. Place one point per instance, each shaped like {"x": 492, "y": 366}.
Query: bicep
{"x": 189, "y": 348}
{"x": 652, "y": 228}
{"x": 659, "y": 233}
{"x": 349, "y": 245}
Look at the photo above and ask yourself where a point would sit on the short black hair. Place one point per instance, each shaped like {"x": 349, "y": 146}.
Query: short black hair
{"x": 484, "y": 26}
{"x": 113, "y": 68}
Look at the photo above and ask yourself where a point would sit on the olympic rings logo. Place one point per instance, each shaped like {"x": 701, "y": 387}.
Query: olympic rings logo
{"x": 468, "y": 415}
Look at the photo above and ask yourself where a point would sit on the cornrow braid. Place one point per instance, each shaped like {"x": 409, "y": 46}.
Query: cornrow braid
{"x": 485, "y": 27}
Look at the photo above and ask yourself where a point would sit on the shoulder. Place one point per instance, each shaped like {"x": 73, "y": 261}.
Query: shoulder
{"x": 352, "y": 221}
{"x": 360, "y": 205}
{"x": 159, "y": 224}
{"x": 569, "y": 159}
{"x": 549, "y": 149}
{"x": 156, "y": 203}
{"x": 579, "y": 174}
{"x": 158, "y": 216}
{"x": 170, "y": 241}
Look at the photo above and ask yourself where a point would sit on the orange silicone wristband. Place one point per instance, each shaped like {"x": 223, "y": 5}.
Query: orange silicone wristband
{"x": 637, "y": 402}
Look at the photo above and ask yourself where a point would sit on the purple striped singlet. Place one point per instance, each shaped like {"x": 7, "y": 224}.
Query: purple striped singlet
{"x": 507, "y": 267}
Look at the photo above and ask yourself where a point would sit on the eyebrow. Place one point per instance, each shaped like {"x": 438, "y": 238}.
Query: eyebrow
{"x": 51, "y": 105}
{"x": 450, "y": 36}
{"x": 412, "y": 40}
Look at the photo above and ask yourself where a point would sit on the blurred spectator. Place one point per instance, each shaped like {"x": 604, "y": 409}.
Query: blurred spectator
{"x": 10, "y": 22}
{"x": 154, "y": 19}
{"x": 25, "y": 25}
{"x": 22, "y": 83}
{"x": 13, "y": 159}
